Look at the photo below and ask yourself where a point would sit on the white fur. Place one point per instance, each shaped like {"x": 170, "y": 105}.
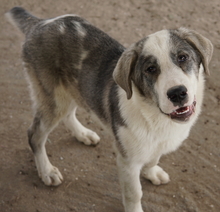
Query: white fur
{"x": 156, "y": 175}
{"x": 152, "y": 135}
{"x": 48, "y": 21}
{"x": 158, "y": 46}
{"x": 49, "y": 174}
{"x": 83, "y": 56}
{"x": 62, "y": 28}
{"x": 81, "y": 133}
{"x": 81, "y": 31}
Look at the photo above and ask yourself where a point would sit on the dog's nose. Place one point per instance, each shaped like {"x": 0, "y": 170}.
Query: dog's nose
{"x": 178, "y": 95}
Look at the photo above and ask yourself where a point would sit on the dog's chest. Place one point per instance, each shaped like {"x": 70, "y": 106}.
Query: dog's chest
{"x": 145, "y": 142}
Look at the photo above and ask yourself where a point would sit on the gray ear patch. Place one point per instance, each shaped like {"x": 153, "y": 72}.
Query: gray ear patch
{"x": 198, "y": 42}
{"x": 123, "y": 70}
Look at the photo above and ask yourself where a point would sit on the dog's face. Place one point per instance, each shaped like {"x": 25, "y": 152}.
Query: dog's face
{"x": 166, "y": 68}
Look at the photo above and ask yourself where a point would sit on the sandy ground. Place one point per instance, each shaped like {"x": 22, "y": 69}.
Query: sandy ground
{"x": 91, "y": 182}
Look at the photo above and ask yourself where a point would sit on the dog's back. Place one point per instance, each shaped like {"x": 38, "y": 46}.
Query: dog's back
{"x": 68, "y": 62}
{"x": 69, "y": 51}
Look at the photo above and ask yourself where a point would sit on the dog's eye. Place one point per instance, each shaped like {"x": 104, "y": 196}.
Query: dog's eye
{"x": 182, "y": 58}
{"x": 151, "y": 69}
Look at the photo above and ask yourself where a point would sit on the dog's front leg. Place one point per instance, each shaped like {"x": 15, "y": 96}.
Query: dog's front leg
{"x": 129, "y": 176}
{"x": 155, "y": 173}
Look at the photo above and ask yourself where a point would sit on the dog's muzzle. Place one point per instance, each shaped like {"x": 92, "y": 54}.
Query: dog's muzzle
{"x": 178, "y": 96}
{"x": 183, "y": 113}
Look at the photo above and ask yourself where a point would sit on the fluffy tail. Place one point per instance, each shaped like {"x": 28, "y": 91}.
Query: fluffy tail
{"x": 22, "y": 19}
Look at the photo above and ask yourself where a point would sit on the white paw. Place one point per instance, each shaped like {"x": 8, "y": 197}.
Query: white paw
{"x": 88, "y": 137}
{"x": 52, "y": 177}
{"x": 133, "y": 208}
{"x": 156, "y": 175}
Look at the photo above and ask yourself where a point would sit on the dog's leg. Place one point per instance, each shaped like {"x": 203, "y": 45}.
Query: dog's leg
{"x": 81, "y": 133}
{"x": 37, "y": 134}
{"x": 129, "y": 176}
{"x": 155, "y": 173}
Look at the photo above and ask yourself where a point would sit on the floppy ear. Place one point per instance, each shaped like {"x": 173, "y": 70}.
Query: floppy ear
{"x": 202, "y": 44}
{"x": 124, "y": 68}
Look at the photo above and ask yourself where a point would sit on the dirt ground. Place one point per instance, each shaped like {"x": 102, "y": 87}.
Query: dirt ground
{"x": 91, "y": 182}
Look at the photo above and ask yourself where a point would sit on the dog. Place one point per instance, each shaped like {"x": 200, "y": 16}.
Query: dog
{"x": 149, "y": 95}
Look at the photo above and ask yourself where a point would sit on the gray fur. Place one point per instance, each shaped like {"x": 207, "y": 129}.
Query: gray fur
{"x": 182, "y": 47}
{"x": 63, "y": 51}
{"x": 197, "y": 42}
{"x": 143, "y": 79}
{"x": 22, "y": 19}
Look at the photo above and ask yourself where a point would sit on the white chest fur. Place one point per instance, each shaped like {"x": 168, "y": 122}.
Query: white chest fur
{"x": 148, "y": 133}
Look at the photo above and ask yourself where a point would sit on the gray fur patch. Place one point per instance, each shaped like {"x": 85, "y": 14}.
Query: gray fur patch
{"x": 180, "y": 47}
{"x": 142, "y": 78}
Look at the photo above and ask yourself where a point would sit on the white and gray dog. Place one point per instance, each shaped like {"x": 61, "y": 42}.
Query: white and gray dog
{"x": 149, "y": 95}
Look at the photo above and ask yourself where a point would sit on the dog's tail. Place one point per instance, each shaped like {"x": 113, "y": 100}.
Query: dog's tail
{"x": 22, "y": 19}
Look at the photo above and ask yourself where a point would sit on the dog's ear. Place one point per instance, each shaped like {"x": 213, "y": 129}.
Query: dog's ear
{"x": 124, "y": 68}
{"x": 199, "y": 42}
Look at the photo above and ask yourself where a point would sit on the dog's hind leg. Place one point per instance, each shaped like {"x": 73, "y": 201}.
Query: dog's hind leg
{"x": 37, "y": 135}
{"x": 50, "y": 109}
{"x": 81, "y": 133}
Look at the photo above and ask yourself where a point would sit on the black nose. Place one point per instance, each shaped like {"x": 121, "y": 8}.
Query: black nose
{"x": 178, "y": 95}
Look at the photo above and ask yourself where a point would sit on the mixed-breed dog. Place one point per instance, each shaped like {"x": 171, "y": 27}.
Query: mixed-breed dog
{"x": 148, "y": 95}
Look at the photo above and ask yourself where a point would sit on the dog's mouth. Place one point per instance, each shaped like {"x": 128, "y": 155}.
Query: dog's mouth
{"x": 183, "y": 113}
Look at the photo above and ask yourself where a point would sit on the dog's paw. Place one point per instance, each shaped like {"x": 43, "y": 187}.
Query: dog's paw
{"x": 133, "y": 207}
{"x": 52, "y": 177}
{"x": 88, "y": 137}
{"x": 156, "y": 175}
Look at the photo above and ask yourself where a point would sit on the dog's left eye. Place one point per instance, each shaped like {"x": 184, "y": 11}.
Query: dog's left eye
{"x": 151, "y": 69}
{"x": 182, "y": 58}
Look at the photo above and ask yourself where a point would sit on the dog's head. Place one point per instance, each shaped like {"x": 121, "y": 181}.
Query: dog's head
{"x": 166, "y": 68}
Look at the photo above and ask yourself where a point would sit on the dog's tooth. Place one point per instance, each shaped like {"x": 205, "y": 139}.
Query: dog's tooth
{"x": 183, "y": 112}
